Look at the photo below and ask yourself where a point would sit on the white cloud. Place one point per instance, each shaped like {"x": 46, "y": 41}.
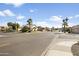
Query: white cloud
{"x": 20, "y": 23}
{"x": 8, "y": 12}
{"x": 60, "y": 16}
{"x": 43, "y": 24}
{"x": 46, "y": 24}
{"x": 57, "y": 25}
{"x": 1, "y": 13}
{"x": 71, "y": 24}
{"x": 55, "y": 18}
{"x": 15, "y": 4}
{"x": 20, "y": 17}
{"x": 56, "y": 21}
{"x": 76, "y": 16}
{"x": 31, "y": 11}
{"x": 70, "y": 17}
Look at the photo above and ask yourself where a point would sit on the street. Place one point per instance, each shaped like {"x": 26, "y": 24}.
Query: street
{"x": 24, "y": 44}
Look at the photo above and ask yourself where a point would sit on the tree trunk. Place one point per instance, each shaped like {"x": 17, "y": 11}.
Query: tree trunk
{"x": 64, "y": 29}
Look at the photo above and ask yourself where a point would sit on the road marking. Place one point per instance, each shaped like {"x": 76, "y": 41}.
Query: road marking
{"x": 3, "y": 45}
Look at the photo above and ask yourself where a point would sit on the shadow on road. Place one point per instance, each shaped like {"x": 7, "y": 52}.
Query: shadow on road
{"x": 75, "y": 49}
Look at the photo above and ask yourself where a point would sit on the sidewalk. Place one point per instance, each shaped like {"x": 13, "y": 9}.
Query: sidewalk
{"x": 60, "y": 47}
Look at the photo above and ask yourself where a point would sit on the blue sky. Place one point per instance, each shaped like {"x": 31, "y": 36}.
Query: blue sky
{"x": 42, "y": 14}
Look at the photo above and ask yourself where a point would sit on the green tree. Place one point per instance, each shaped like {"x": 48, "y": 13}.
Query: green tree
{"x": 29, "y": 23}
{"x": 9, "y": 23}
{"x": 65, "y": 24}
{"x": 25, "y": 29}
{"x": 40, "y": 28}
{"x": 15, "y": 26}
{"x": 47, "y": 29}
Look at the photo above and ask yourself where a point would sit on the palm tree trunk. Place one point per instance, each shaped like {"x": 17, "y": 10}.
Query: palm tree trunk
{"x": 30, "y": 27}
{"x": 64, "y": 29}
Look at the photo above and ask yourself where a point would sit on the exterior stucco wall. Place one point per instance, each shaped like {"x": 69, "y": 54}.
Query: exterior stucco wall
{"x": 75, "y": 29}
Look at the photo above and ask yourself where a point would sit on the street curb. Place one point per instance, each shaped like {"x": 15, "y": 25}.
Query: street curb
{"x": 46, "y": 50}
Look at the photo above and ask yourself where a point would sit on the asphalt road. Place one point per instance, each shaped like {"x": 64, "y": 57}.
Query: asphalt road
{"x": 24, "y": 44}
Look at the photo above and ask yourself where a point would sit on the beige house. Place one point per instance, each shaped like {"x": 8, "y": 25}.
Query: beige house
{"x": 3, "y": 29}
{"x": 33, "y": 27}
{"x": 75, "y": 29}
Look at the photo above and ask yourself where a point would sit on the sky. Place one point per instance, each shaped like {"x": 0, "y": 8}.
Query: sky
{"x": 42, "y": 14}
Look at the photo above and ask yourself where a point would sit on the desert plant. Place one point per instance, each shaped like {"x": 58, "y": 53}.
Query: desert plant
{"x": 25, "y": 29}
{"x": 29, "y": 23}
{"x": 9, "y": 30}
{"x": 65, "y": 24}
{"x": 14, "y": 26}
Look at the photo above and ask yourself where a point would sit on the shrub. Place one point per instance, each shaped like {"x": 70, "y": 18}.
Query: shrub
{"x": 25, "y": 29}
{"x": 9, "y": 30}
{"x": 40, "y": 28}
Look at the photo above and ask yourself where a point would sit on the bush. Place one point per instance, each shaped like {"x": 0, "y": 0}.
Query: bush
{"x": 25, "y": 29}
{"x": 40, "y": 28}
{"x": 9, "y": 30}
{"x": 68, "y": 30}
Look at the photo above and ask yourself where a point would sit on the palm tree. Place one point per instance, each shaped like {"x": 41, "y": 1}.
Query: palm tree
{"x": 65, "y": 24}
{"x": 17, "y": 27}
{"x": 29, "y": 23}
